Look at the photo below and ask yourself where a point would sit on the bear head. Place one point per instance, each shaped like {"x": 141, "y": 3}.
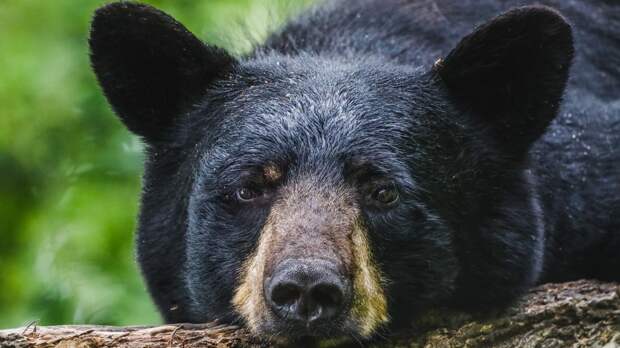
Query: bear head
{"x": 316, "y": 195}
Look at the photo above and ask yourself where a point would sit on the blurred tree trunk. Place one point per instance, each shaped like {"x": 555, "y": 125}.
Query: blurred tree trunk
{"x": 575, "y": 314}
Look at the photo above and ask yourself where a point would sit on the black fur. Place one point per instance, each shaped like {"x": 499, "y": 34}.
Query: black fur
{"x": 507, "y": 161}
{"x": 150, "y": 67}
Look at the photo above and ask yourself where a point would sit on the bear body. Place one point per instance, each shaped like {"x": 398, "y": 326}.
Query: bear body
{"x": 389, "y": 145}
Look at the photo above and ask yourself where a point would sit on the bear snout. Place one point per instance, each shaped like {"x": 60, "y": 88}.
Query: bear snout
{"x": 307, "y": 293}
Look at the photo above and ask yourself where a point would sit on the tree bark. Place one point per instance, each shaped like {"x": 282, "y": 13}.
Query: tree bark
{"x": 575, "y": 314}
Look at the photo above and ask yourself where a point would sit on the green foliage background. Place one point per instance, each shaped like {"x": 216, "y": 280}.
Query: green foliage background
{"x": 69, "y": 171}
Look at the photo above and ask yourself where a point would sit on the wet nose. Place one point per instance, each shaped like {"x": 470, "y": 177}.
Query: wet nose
{"x": 308, "y": 291}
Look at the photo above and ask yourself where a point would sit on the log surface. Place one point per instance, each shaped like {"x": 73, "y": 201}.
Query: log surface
{"x": 575, "y": 314}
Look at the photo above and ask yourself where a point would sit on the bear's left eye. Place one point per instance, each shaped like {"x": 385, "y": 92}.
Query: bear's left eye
{"x": 246, "y": 194}
{"x": 386, "y": 194}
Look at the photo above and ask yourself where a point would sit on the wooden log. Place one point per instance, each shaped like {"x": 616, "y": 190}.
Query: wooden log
{"x": 575, "y": 314}
{"x": 181, "y": 335}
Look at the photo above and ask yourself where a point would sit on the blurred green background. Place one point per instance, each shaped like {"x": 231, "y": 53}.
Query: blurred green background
{"x": 69, "y": 171}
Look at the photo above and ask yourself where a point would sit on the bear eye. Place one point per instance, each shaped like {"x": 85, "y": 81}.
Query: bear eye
{"x": 246, "y": 194}
{"x": 386, "y": 194}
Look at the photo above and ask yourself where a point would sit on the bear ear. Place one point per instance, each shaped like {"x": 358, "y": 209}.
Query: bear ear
{"x": 511, "y": 73}
{"x": 150, "y": 67}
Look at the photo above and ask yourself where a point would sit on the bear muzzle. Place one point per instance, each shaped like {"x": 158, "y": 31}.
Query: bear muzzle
{"x": 307, "y": 293}
{"x": 312, "y": 273}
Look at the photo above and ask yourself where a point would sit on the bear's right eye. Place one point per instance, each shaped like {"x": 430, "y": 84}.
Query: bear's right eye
{"x": 246, "y": 194}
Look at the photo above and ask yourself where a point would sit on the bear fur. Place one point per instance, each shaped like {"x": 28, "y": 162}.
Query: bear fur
{"x": 497, "y": 120}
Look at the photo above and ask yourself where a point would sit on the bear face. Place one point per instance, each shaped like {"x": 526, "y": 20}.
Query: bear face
{"x": 315, "y": 195}
{"x": 314, "y": 178}
{"x": 316, "y": 156}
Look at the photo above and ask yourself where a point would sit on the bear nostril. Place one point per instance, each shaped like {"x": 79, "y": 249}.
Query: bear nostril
{"x": 286, "y": 294}
{"x": 328, "y": 298}
{"x": 309, "y": 291}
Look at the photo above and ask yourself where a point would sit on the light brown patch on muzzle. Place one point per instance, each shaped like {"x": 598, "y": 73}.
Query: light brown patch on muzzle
{"x": 369, "y": 308}
{"x": 249, "y": 300}
{"x": 311, "y": 221}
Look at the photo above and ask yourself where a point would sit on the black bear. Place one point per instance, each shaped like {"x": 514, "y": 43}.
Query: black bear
{"x": 372, "y": 160}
